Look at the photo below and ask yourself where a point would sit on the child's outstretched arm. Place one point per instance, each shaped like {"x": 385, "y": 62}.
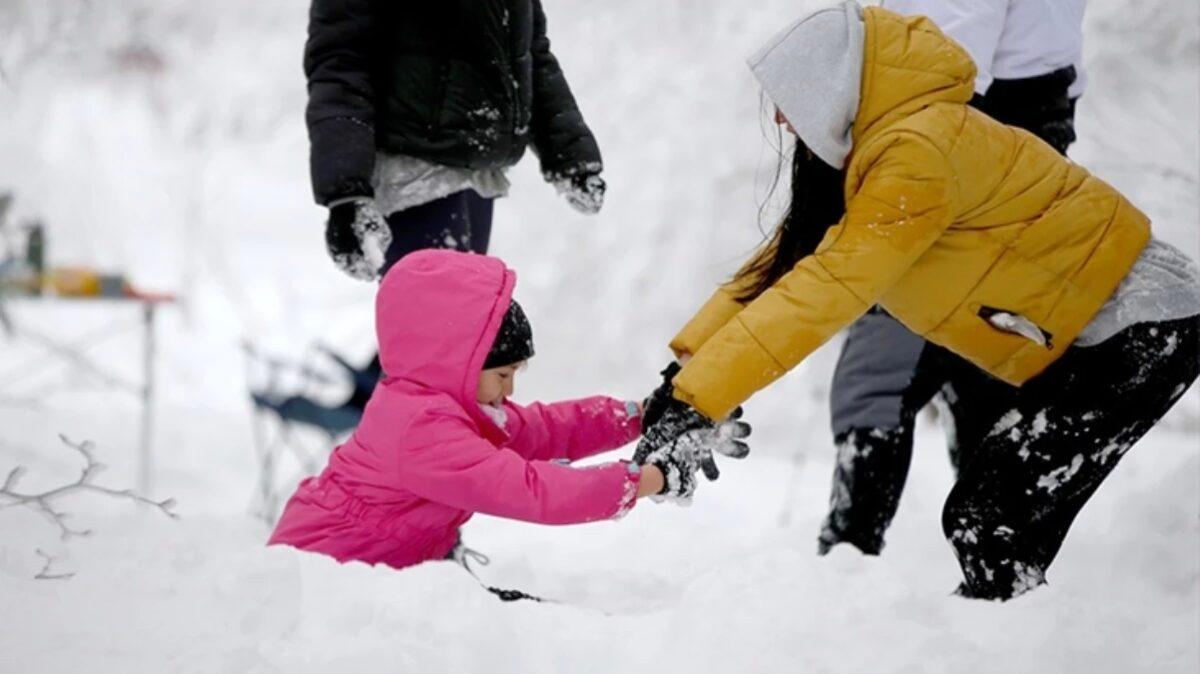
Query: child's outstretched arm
{"x": 572, "y": 429}
{"x": 462, "y": 470}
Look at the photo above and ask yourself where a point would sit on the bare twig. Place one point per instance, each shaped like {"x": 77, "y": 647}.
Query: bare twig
{"x": 45, "y": 574}
{"x": 43, "y": 503}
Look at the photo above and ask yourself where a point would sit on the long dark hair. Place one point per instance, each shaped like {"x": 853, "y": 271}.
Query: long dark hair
{"x": 818, "y": 203}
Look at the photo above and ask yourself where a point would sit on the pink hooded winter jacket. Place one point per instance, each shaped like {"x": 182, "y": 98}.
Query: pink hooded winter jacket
{"x": 425, "y": 456}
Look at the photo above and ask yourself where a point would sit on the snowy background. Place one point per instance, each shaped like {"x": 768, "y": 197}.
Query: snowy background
{"x": 165, "y": 139}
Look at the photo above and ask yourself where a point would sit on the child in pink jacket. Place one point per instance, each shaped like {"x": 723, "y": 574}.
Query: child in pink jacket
{"x": 440, "y": 441}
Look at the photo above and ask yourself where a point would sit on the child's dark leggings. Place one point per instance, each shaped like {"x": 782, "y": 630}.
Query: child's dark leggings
{"x": 1050, "y": 443}
{"x": 461, "y": 221}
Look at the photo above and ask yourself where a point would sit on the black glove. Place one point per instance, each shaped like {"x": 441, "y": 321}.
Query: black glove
{"x": 680, "y": 419}
{"x": 678, "y": 462}
{"x": 656, "y": 403}
{"x": 584, "y": 190}
{"x": 682, "y": 455}
{"x": 357, "y": 237}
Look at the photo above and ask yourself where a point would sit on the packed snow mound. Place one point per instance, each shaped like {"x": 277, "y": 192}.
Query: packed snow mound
{"x": 204, "y": 595}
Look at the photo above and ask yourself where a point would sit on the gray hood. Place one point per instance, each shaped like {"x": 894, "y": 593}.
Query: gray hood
{"x": 812, "y": 71}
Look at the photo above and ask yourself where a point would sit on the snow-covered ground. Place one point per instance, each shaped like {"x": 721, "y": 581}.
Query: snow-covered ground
{"x": 165, "y": 138}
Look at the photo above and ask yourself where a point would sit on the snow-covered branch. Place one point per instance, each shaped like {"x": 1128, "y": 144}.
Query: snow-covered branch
{"x": 45, "y": 574}
{"x": 45, "y": 502}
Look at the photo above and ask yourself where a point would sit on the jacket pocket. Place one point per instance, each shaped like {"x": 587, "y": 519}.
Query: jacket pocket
{"x": 1016, "y": 324}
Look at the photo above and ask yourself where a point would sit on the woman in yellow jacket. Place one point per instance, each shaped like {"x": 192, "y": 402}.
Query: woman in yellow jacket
{"x": 976, "y": 236}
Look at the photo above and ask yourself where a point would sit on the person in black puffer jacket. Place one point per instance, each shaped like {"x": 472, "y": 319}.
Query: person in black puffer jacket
{"x": 416, "y": 109}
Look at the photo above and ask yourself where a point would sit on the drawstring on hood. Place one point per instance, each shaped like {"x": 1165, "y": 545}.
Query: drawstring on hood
{"x": 812, "y": 70}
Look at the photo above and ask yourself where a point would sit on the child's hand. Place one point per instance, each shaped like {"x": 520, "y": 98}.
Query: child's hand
{"x": 679, "y": 458}
{"x": 679, "y": 419}
{"x": 651, "y": 482}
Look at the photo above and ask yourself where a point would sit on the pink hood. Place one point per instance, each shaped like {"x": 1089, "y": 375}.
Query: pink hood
{"x": 436, "y": 316}
{"x": 425, "y": 457}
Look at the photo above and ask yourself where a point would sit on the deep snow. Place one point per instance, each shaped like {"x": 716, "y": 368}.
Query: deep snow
{"x": 165, "y": 138}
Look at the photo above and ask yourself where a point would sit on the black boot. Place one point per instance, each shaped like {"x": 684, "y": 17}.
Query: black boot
{"x": 872, "y": 465}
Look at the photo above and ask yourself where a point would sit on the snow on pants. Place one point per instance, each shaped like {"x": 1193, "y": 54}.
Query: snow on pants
{"x": 1050, "y": 445}
{"x": 461, "y": 221}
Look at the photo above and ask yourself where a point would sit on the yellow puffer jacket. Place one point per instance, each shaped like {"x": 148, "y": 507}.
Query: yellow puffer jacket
{"x": 977, "y": 236}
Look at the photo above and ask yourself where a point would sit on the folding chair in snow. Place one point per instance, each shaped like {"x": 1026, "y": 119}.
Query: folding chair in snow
{"x": 296, "y": 426}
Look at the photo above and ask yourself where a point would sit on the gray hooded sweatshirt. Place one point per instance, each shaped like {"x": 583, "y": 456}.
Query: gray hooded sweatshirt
{"x": 812, "y": 70}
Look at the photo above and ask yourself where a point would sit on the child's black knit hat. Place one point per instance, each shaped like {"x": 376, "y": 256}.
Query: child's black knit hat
{"x": 514, "y": 341}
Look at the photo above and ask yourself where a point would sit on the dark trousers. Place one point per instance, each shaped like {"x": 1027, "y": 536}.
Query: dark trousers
{"x": 1028, "y": 458}
{"x": 1040, "y": 105}
{"x": 461, "y": 221}
{"x": 1051, "y": 443}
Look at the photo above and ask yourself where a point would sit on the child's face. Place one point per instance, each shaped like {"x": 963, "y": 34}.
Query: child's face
{"x": 496, "y": 384}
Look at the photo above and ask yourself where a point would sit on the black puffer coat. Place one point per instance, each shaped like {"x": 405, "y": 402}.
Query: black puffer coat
{"x": 463, "y": 83}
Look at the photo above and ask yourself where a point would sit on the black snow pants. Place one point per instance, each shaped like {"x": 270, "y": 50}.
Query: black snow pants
{"x": 1051, "y": 443}
{"x": 1028, "y": 458}
{"x": 461, "y": 221}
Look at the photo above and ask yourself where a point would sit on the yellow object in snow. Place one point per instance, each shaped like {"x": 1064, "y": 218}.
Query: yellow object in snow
{"x": 84, "y": 282}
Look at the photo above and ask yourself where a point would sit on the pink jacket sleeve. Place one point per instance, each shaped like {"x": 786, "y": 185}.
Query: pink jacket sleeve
{"x": 462, "y": 470}
{"x": 572, "y": 429}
